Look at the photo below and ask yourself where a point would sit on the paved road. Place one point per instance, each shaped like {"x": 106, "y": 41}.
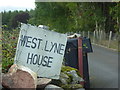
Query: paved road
{"x": 103, "y": 68}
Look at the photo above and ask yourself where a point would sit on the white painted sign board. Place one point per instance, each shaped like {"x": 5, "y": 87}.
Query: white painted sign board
{"x": 41, "y": 50}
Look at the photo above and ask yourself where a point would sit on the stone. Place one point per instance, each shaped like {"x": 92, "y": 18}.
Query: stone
{"x": 53, "y": 87}
{"x": 68, "y": 76}
{"x": 13, "y": 68}
{"x": 64, "y": 78}
{"x": 75, "y": 77}
{"x": 19, "y": 77}
{"x": 42, "y": 82}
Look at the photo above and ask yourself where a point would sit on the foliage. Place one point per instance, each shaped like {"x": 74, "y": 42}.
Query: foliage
{"x": 71, "y": 86}
{"x": 76, "y": 16}
{"x": 67, "y": 69}
{"x": 115, "y": 13}
{"x": 9, "y": 42}
{"x": 20, "y": 17}
{"x": 32, "y": 17}
{"x": 66, "y": 79}
{"x": 11, "y": 18}
{"x": 69, "y": 16}
{"x": 53, "y": 15}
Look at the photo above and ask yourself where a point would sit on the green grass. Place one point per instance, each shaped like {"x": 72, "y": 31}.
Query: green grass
{"x": 113, "y": 43}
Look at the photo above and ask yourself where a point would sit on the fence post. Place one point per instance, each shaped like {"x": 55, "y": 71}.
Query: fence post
{"x": 118, "y": 24}
{"x": 97, "y": 36}
{"x": 110, "y": 36}
{"x": 94, "y": 37}
{"x": 101, "y": 35}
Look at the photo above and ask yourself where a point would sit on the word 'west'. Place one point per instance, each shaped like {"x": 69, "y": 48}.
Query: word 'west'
{"x": 36, "y": 43}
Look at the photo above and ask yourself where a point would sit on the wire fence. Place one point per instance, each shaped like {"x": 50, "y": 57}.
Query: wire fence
{"x": 109, "y": 40}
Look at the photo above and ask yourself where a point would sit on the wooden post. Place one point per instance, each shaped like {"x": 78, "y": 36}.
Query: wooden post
{"x": 101, "y": 36}
{"x": 118, "y": 24}
{"x": 80, "y": 58}
{"x": 97, "y": 35}
{"x": 104, "y": 35}
{"x": 110, "y": 36}
{"x": 99, "y": 32}
{"x": 96, "y": 29}
{"x": 96, "y": 25}
{"x": 94, "y": 37}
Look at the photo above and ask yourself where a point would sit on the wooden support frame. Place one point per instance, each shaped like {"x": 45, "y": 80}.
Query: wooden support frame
{"x": 80, "y": 58}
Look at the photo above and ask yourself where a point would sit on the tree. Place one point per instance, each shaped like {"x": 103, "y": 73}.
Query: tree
{"x": 20, "y": 17}
{"x": 68, "y": 16}
{"x": 53, "y": 15}
{"x": 115, "y": 13}
{"x": 11, "y": 18}
{"x": 76, "y": 16}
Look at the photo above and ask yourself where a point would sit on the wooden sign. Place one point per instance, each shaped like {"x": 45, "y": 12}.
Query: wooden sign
{"x": 41, "y": 50}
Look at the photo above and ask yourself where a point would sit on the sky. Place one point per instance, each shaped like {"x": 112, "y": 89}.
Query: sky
{"x": 16, "y": 5}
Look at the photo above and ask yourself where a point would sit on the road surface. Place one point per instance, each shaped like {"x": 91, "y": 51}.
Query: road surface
{"x": 103, "y": 68}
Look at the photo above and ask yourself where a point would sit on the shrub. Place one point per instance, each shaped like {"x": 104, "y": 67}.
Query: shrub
{"x": 9, "y": 43}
